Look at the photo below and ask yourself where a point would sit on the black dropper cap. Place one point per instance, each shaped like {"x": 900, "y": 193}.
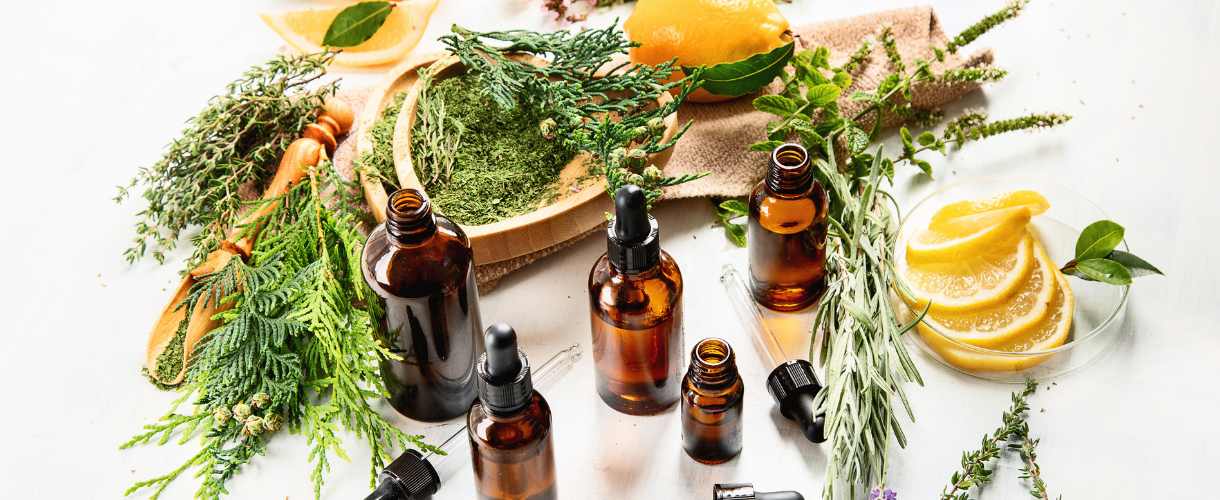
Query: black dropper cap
{"x": 505, "y": 384}
{"x": 633, "y": 240}
{"x": 745, "y": 491}
{"x": 793, "y": 384}
{"x": 408, "y": 477}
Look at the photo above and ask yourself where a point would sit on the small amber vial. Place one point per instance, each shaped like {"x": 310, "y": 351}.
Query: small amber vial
{"x": 712, "y": 403}
{"x": 635, "y": 303}
{"x": 787, "y": 233}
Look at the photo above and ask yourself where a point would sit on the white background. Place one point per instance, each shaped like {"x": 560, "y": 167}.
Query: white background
{"x": 95, "y": 89}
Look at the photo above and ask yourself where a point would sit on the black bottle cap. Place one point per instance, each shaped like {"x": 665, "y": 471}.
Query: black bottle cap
{"x": 408, "y": 477}
{"x": 633, "y": 240}
{"x": 745, "y": 491}
{"x": 505, "y": 384}
{"x": 793, "y": 384}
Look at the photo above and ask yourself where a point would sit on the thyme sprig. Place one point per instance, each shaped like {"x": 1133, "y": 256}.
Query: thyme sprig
{"x": 594, "y": 105}
{"x": 865, "y": 359}
{"x": 236, "y": 139}
{"x": 298, "y": 349}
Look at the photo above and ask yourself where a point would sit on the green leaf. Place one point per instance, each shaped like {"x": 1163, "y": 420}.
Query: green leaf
{"x": 747, "y": 75}
{"x": 1137, "y": 266}
{"x": 1103, "y": 270}
{"x": 842, "y": 79}
{"x": 857, "y": 140}
{"x": 1098, "y": 240}
{"x": 775, "y": 104}
{"x": 924, "y": 166}
{"x": 821, "y": 95}
{"x": 926, "y": 138}
{"x": 734, "y": 208}
{"x": 357, "y": 24}
{"x": 908, "y": 143}
{"x": 766, "y": 146}
{"x": 808, "y": 134}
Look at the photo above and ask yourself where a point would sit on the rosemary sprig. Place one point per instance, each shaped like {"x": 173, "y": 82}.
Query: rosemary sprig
{"x": 297, "y": 349}
{"x": 378, "y": 162}
{"x": 594, "y": 105}
{"x": 439, "y": 136}
{"x": 237, "y": 139}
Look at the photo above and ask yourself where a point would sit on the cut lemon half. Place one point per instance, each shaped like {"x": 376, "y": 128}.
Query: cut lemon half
{"x": 304, "y": 30}
{"x": 1051, "y": 332}
{"x": 997, "y": 324}
{"x": 1033, "y": 200}
{"x": 969, "y": 283}
{"x": 968, "y": 236}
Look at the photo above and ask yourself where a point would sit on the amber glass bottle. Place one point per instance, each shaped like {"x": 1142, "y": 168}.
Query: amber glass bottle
{"x": 423, "y": 267}
{"x": 787, "y": 233}
{"x": 712, "y": 403}
{"x": 635, "y": 302}
{"x": 510, "y": 426}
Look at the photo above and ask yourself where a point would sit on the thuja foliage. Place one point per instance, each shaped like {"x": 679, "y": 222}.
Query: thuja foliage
{"x": 592, "y": 104}
{"x": 298, "y": 349}
{"x": 236, "y": 139}
{"x": 866, "y": 362}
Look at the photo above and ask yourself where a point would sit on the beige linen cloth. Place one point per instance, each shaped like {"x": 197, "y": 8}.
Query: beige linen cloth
{"x": 719, "y": 139}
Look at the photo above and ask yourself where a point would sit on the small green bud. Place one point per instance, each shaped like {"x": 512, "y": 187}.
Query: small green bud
{"x": 616, "y": 155}
{"x": 253, "y": 427}
{"x": 637, "y": 154}
{"x": 273, "y": 422}
{"x": 634, "y": 178}
{"x": 547, "y": 127}
{"x": 221, "y": 416}
{"x": 241, "y": 411}
{"x": 652, "y": 173}
{"x": 638, "y": 131}
{"x": 656, "y": 124}
{"x": 261, "y": 400}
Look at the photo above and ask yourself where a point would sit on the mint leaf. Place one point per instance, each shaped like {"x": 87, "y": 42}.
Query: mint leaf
{"x": 747, "y": 75}
{"x": 1137, "y": 266}
{"x": 926, "y": 138}
{"x": 775, "y": 104}
{"x": 1103, "y": 270}
{"x": 1098, "y": 240}
{"x": 821, "y": 95}
{"x": 766, "y": 146}
{"x": 357, "y": 24}
{"x": 857, "y": 140}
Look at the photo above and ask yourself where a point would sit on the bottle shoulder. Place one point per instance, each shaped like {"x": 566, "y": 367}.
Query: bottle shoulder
{"x": 522, "y": 428}
{"x": 444, "y": 260}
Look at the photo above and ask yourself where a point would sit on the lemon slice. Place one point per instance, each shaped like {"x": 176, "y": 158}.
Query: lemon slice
{"x": 1051, "y": 332}
{"x": 968, "y": 236}
{"x": 1033, "y": 200}
{"x": 304, "y": 30}
{"x": 997, "y": 324}
{"x": 969, "y": 283}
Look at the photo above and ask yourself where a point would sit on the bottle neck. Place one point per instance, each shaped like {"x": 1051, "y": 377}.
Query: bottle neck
{"x": 789, "y": 173}
{"x": 712, "y": 363}
{"x": 409, "y": 217}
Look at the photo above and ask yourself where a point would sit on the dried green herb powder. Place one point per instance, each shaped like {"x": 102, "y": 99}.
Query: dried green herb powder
{"x": 378, "y": 162}
{"x": 503, "y": 166}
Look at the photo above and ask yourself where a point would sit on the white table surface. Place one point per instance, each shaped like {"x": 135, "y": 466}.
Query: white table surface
{"x": 95, "y": 89}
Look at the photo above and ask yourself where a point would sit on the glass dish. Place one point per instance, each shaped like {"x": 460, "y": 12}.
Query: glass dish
{"x": 1100, "y": 309}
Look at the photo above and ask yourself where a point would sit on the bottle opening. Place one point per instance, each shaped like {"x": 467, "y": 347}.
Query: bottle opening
{"x": 712, "y": 362}
{"x": 409, "y": 216}
{"x": 712, "y": 352}
{"x": 789, "y": 173}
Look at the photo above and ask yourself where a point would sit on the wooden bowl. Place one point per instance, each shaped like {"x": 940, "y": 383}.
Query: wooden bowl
{"x": 572, "y": 213}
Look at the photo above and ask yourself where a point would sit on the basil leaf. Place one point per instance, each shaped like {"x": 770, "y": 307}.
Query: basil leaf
{"x": 775, "y": 104}
{"x": 1103, "y": 270}
{"x": 747, "y": 75}
{"x": 1098, "y": 240}
{"x": 1137, "y": 266}
{"x": 357, "y": 24}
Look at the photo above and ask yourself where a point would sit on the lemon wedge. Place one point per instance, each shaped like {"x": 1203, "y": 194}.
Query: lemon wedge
{"x": 304, "y": 30}
{"x": 970, "y": 235}
{"x": 999, "y": 323}
{"x": 968, "y": 283}
{"x": 1033, "y": 200}
{"x": 1051, "y": 332}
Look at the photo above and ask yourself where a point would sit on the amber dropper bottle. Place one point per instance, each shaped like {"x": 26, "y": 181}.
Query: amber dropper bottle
{"x": 422, "y": 265}
{"x": 792, "y": 383}
{"x": 417, "y": 476}
{"x": 510, "y": 426}
{"x": 712, "y": 403}
{"x": 635, "y": 304}
{"x": 787, "y": 233}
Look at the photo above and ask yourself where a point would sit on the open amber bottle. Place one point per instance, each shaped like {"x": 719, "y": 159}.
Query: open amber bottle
{"x": 712, "y": 403}
{"x": 787, "y": 233}
{"x": 635, "y": 303}
{"x": 422, "y": 265}
{"x": 510, "y": 426}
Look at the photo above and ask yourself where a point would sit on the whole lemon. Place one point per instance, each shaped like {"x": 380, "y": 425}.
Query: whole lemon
{"x": 704, "y": 33}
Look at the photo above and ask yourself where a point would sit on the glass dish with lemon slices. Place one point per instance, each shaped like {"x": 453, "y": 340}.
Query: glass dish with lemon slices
{"x": 979, "y": 260}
